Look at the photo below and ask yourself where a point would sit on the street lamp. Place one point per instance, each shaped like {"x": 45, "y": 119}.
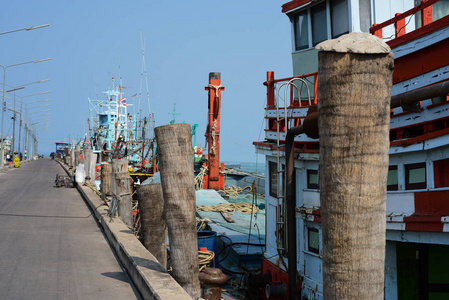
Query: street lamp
{"x": 26, "y": 28}
{"x": 14, "y": 119}
{"x": 21, "y": 102}
{"x": 3, "y": 102}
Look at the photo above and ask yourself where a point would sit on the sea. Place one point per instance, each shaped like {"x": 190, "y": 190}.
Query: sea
{"x": 250, "y": 167}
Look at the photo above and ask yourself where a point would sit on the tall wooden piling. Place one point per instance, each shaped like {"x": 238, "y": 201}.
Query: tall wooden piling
{"x": 354, "y": 88}
{"x": 152, "y": 221}
{"x": 123, "y": 190}
{"x": 87, "y": 154}
{"x": 176, "y": 167}
{"x": 72, "y": 159}
{"x": 106, "y": 171}
{"x": 93, "y": 165}
{"x": 77, "y": 155}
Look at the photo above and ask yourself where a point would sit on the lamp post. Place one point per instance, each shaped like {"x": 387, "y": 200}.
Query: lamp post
{"x": 14, "y": 120}
{"x": 20, "y": 112}
{"x": 2, "y": 154}
{"x": 28, "y": 134}
{"x": 21, "y": 102}
{"x": 26, "y": 28}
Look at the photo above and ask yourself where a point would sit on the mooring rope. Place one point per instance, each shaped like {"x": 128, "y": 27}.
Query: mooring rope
{"x": 234, "y": 191}
{"x": 199, "y": 179}
{"x": 93, "y": 187}
{"x": 201, "y": 224}
{"x": 205, "y": 258}
{"x": 244, "y": 208}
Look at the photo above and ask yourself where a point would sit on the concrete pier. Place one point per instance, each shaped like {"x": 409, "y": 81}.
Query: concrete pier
{"x": 54, "y": 248}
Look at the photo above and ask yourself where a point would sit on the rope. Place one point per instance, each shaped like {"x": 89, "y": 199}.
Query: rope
{"x": 244, "y": 208}
{"x": 201, "y": 224}
{"x": 214, "y": 128}
{"x": 199, "y": 179}
{"x": 234, "y": 191}
{"x": 205, "y": 259}
{"x": 93, "y": 187}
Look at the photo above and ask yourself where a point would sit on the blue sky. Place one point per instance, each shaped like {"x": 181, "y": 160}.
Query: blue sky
{"x": 92, "y": 41}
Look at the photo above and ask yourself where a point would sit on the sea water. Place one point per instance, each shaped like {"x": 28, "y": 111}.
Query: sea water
{"x": 249, "y": 167}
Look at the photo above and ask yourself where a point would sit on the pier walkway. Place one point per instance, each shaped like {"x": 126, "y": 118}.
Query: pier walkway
{"x": 50, "y": 245}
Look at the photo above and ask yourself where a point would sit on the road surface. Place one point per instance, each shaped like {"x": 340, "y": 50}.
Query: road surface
{"x": 50, "y": 245}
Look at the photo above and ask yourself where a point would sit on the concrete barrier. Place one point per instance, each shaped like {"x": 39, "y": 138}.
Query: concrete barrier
{"x": 149, "y": 277}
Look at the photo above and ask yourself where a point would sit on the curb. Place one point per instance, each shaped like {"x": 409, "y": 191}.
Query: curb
{"x": 147, "y": 274}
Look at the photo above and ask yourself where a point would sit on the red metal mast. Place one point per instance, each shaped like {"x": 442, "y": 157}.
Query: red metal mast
{"x": 213, "y": 132}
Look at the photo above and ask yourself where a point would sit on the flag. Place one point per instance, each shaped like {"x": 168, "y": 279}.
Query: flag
{"x": 123, "y": 101}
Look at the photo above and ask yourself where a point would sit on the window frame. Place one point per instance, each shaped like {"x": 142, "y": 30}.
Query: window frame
{"x": 417, "y": 185}
{"x": 313, "y": 14}
{"x": 310, "y": 28}
{"x": 334, "y": 36}
{"x": 310, "y": 248}
{"x": 295, "y": 19}
{"x": 274, "y": 178}
{"x": 393, "y": 187}
{"x": 313, "y": 186}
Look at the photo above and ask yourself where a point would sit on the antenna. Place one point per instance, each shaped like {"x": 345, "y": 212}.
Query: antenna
{"x": 173, "y": 121}
{"x": 144, "y": 75}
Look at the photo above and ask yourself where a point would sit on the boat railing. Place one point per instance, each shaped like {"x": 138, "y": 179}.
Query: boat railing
{"x": 296, "y": 98}
{"x": 424, "y": 11}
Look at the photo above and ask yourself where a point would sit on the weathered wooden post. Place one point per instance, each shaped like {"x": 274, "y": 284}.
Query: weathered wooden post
{"x": 106, "y": 170}
{"x": 72, "y": 159}
{"x": 87, "y": 154}
{"x": 177, "y": 178}
{"x": 355, "y": 77}
{"x": 77, "y": 155}
{"x": 93, "y": 164}
{"x": 152, "y": 221}
{"x": 123, "y": 190}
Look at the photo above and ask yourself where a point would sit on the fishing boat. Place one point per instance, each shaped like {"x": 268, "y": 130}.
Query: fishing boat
{"x": 417, "y": 228}
{"x": 116, "y": 133}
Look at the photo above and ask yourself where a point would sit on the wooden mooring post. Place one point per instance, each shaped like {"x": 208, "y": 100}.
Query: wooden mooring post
{"x": 354, "y": 86}
{"x": 87, "y": 154}
{"x": 106, "y": 171}
{"x": 72, "y": 159}
{"x": 77, "y": 155}
{"x": 176, "y": 168}
{"x": 123, "y": 190}
{"x": 152, "y": 221}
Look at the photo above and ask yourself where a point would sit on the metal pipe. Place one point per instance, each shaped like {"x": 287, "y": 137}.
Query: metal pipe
{"x": 427, "y": 92}
{"x": 291, "y": 206}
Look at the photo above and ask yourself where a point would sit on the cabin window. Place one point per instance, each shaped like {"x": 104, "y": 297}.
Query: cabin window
{"x": 276, "y": 187}
{"x": 392, "y": 180}
{"x": 415, "y": 176}
{"x": 440, "y": 9}
{"x": 413, "y": 131}
{"x": 339, "y": 17}
{"x": 313, "y": 240}
{"x": 301, "y": 30}
{"x": 441, "y": 173}
{"x": 365, "y": 15}
{"x": 273, "y": 179}
{"x": 440, "y": 99}
{"x": 311, "y": 26}
{"x": 319, "y": 23}
{"x": 312, "y": 179}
